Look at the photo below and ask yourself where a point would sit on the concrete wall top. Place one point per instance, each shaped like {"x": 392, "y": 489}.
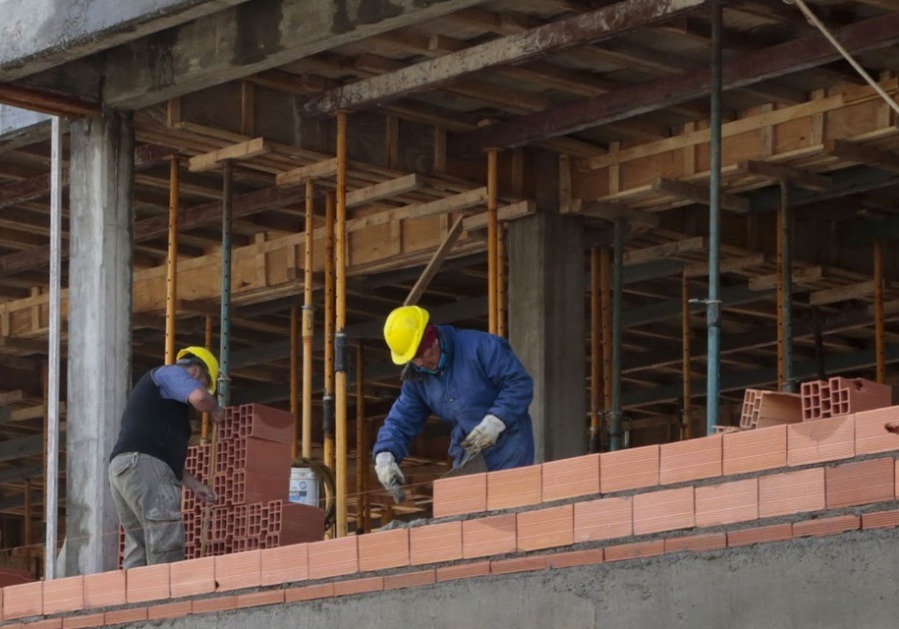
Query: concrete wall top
{"x": 40, "y": 34}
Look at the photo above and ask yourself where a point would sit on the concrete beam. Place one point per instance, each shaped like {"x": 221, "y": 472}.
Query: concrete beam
{"x": 41, "y": 34}
{"x": 629, "y": 102}
{"x": 21, "y": 127}
{"x": 240, "y": 41}
{"x": 592, "y": 26}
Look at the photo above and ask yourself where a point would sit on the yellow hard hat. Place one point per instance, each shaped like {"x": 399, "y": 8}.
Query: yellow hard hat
{"x": 403, "y": 331}
{"x": 204, "y": 356}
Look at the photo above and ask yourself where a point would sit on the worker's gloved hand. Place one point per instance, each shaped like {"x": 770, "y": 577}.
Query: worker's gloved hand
{"x": 484, "y": 434}
{"x": 205, "y": 494}
{"x": 388, "y": 471}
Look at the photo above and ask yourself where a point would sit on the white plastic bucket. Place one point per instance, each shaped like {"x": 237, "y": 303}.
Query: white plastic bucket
{"x": 303, "y": 486}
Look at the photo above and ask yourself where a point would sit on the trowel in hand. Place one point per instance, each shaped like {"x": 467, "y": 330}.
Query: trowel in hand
{"x": 473, "y": 462}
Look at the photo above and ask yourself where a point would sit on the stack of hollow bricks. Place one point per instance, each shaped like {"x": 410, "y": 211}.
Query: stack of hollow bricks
{"x": 818, "y": 399}
{"x": 710, "y": 494}
{"x": 251, "y": 479}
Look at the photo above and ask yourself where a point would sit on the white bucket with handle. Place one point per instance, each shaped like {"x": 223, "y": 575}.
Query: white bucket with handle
{"x": 303, "y": 486}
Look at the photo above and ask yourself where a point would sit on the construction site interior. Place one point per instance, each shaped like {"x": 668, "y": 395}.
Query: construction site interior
{"x": 615, "y": 187}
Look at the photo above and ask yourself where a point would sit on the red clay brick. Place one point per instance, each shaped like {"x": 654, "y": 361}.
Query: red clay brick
{"x": 635, "y": 551}
{"x": 696, "y": 543}
{"x": 760, "y": 534}
{"x": 689, "y": 460}
{"x": 25, "y": 599}
{"x": 192, "y": 577}
{"x": 826, "y": 526}
{"x": 792, "y": 492}
{"x": 83, "y": 622}
{"x": 238, "y": 571}
{"x": 880, "y": 519}
{"x": 518, "y": 564}
{"x": 124, "y": 616}
{"x": 821, "y": 440}
{"x": 870, "y": 435}
{"x": 104, "y": 589}
{"x": 435, "y": 543}
{"x": 483, "y": 537}
{"x": 463, "y": 571}
{"x": 629, "y": 469}
{"x": 147, "y": 583}
{"x": 169, "y": 610}
{"x": 207, "y": 605}
{"x": 63, "y": 595}
{"x": 727, "y": 503}
{"x": 570, "y": 478}
{"x": 576, "y": 558}
{"x": 861, "y": 483}
{"x": 546, "y": 528}
{"x": 754, "y": 450}
{"x": 519, "y": 487}
{"x": 460, "y": 495}
{"x": 285, "y": 564}
{"x": 257, "y": 599}
{"x": 665, "y": 510}
{"x": 358, "y": 586}
{"x": 308, "y": 593}
{"x": 410, "y": 579}
{"x": 333, "y": 557}
{"x": 606, "y": 518}
{"x": 383, "y": 550}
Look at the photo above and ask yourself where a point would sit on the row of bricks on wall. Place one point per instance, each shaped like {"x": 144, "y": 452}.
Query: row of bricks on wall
{"x": 488, "y": 541}
{"x": 842, "y": 396}
{"x": 555, "y": 560}
{"x": 259, "y": 421}
{"x": 684, "y": 461}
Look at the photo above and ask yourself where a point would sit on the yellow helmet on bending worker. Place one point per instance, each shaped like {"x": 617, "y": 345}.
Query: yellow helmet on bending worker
{"x": 207, "y": 358}
{"x": 403, "y": 331}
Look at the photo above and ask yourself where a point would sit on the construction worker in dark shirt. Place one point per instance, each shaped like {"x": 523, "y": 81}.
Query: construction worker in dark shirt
{"x": 146, "y": 468}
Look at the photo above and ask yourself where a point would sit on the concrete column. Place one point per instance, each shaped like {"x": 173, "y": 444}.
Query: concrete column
{"x": 546, "y": 327}
{"x": 99, "y": 332}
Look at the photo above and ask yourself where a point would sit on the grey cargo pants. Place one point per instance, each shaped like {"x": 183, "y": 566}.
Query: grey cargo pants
{"x": 147, "y": 498}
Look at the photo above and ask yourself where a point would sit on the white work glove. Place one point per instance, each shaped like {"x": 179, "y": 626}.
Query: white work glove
{"x": 388, "y": 471}
{"x": 484, "y": 434}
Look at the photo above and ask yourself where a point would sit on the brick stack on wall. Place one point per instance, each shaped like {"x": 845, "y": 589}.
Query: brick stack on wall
{"x": 252, "y": 481}
{"x": 818, "y": 399}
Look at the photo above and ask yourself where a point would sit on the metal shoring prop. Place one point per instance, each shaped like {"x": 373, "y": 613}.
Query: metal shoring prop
{"x": 53, "y": 369}
{"x": 340, "y": 337}
{"x": 224, "y": 380}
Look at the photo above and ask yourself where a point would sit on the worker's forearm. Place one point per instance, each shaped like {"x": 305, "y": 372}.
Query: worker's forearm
{"x": 201, "y": 400}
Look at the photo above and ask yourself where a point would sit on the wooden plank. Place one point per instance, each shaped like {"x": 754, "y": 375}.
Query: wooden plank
{"x": 455, "y": 203}
{"x": 643, "y": 98}
{"x": 842, "y": 293}
{"x": 10, "y": 397}
{"x": 318, "y": 170}
{"x": 667, "y": 250}
{"x": 241, "y": 150}
{"x": 504, "y": 213}
{"x": 593, "y": 26}
{"x": 728, "y": 265}
{"x": 612, "y": 211}
{"x": 699, "y": 194}
{"x": 434, "y": 264}
{"x": 800, "y": 276}
{"x": 383, "y": 190}
{"x": 862, "y": 154}
{"x": 781, "y": 172}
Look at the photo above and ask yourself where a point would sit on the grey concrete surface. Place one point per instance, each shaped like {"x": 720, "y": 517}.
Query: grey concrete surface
{"x": 838, "y": 582}
{"x": 547, "y": 327}
{"x": 99, "y": 332}
{"x": 39, "y": 34}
